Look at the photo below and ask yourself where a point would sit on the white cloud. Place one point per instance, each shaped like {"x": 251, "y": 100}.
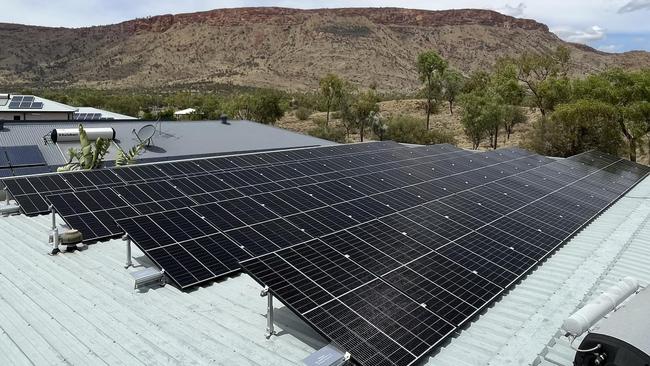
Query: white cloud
{"x": 514, "y": 11}
{"x": 634, "y": 5}
{"x": 594, "y": 33}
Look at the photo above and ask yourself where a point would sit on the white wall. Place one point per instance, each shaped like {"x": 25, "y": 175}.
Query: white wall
{"x": 32, "y": 116}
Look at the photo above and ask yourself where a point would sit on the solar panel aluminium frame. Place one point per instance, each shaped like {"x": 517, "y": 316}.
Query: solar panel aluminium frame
{"x": 486, "y": 303}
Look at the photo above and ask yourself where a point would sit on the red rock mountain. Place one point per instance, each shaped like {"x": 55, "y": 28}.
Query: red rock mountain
{"x": 277, "y": 47}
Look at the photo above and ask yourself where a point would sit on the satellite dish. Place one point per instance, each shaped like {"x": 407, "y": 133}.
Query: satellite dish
{"x": 145, "y": 134}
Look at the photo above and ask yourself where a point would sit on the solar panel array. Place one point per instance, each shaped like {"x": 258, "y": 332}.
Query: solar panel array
{"x": 31, "y": 192}
{"x": 384, "y": 250}
{"x": 391, "y": 289}
{"x": 24, "y": 102}
{"x": 87, "y": 116}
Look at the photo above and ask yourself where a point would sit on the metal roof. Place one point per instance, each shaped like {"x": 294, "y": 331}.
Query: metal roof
{"x": 104, "y": 113}
{"x": 48, "y": 106}
{"x": 173, "y": 139}
{"x": 85, "y": 299}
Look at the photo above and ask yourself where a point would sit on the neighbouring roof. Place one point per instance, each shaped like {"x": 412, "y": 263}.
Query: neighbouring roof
{"x": 85, "y": 299}
{"x": 173, "y": 140}
{"x": 48, "y": 106}
{"x": 105, "y": 114}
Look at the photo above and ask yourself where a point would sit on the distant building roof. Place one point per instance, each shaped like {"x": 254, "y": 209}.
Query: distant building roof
{"x": 104, "y": 114}
{"x": 183, "y": 112}
{"x": 172, "y": 140}
{"x": 45, "y": 106}
{"x": 86, "y": 299}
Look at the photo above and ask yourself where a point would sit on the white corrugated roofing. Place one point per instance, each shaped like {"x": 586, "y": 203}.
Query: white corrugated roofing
{"x": 48, "y": 106}
{"x": 79, "y": 308}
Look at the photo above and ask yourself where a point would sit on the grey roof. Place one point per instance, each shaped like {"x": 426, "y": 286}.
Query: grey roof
{"x": 104, "y": 113}
{"x": 48, "y": 106}
{"x": 79, "y": 308}
{"x": 173, "y": 139}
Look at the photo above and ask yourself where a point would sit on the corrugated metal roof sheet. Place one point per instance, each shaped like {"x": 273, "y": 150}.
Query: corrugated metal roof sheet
{"x": 174, "y": 139}
{"x": 79, "y": 308}
{"x": 48, "y": 106}
{"x": 104, "y": 113}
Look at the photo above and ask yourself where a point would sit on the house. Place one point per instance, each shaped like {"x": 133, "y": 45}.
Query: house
{"x": 33, "y": 108}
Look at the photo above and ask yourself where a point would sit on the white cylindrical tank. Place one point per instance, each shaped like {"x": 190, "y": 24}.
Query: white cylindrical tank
{"x": 591, "y": 313}
{"x": 72, "y": 134}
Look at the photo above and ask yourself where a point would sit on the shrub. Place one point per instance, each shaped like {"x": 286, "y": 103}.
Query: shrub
{"x": 303, "y": 113}
{"x": 413, "y": 130}
{"x": 335, "y": 134}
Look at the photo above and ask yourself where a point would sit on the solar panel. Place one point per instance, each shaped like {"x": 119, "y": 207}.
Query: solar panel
{"x": 20, "y": 156}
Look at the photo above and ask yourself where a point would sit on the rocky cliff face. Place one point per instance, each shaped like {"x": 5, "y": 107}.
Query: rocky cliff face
{"x": 277, "y": 47}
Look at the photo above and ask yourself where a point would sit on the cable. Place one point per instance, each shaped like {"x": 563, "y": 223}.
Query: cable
{"x": 583, "y": 350}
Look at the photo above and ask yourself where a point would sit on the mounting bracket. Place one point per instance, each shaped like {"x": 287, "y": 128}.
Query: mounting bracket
{"x": 128, "y": 263}
{"x": 269, "y": 312}
{"x": 55, "y": 233}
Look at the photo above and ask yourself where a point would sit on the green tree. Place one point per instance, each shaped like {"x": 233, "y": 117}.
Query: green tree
{"x": 264, "y": 106}
{"x": 431, "y": 68}
{"x": 577, "y": 127}
{"x": 534, "y": 69}
{"x": 624, "y": 92}
{"x": 363, "y": 109}
{"x": 452, "y": 84}
{"x": 474, "y": 117}
{"x": 413, "y": 130}
{"x": 330, "y": 88}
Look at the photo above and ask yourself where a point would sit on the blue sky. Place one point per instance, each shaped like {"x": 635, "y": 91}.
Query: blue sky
{"x": 610, "y": 25}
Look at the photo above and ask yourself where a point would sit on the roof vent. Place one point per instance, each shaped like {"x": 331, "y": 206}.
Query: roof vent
{"x": 224, "y": 119}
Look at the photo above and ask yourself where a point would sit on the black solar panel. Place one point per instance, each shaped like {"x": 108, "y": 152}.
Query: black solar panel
{"x": 21, "y": 156}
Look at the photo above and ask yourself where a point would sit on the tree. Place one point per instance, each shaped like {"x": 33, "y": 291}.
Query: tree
{"x": 623, "y": 91}
{"x": 264, "y": 106}
{"x": 363, "y": 109}
{"x": 473, "y": 118}
{"x": 513, "y": 115}
{"x": 413, "y": 130}
{"x": 577, "y": 127}
{"x": 330, "y": 87}
{"x": 431, "y": 68}
{"x": 533, "y": 69}
{"x": 452, "y": 84}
